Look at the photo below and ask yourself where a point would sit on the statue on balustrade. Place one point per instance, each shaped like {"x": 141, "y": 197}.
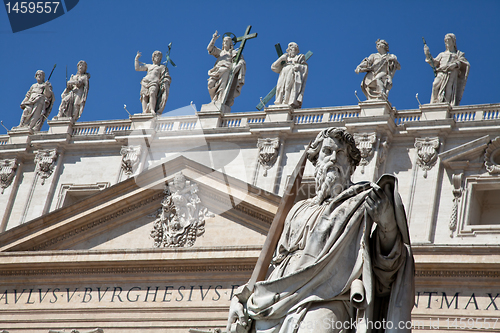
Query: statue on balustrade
{"x": 343, "y": 261}
{"x": 155, "y": 86}
{"x": 292, "y": 68}
{"x": 220, "y": 74}
{"x": 74, "y": 97}
{"x": 380, "y": 69}
{"x": 451, "y": 70}
{"x": 37, "y": 103}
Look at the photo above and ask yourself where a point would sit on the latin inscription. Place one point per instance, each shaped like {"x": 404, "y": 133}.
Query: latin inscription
{"x": 118, "y": 294}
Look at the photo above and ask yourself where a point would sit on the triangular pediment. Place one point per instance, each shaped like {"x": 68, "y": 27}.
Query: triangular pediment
{"x": 466, "y": 156}
{"x": 122, "y": 216}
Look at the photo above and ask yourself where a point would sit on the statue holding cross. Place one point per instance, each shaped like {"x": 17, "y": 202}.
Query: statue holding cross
{"x": 227, "y": 77}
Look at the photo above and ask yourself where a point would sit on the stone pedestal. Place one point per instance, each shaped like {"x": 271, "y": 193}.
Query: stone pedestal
{"x": 19, "y": 135}
{"x": 61, "y": 125}
{"x": 142, "y": 120}
{"x": 209, "y": 119}
{"x": 435, "y": 111}
{"x": 215, "y": 107}
{"x": 278, "y": 113}
{"x": 372, "y": 108}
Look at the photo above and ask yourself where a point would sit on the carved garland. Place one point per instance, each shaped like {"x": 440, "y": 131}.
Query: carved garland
{"x": 130, "y": 158}
{"x": 181, "y": 219}
{"x": 364, "y": 142}
{"x": 268, "y": 152}
{"x": 45, "y": 161}
{"x": 8, "y": 169}
{"x": 427, "y": 153}
{"x": 457, "y": 193}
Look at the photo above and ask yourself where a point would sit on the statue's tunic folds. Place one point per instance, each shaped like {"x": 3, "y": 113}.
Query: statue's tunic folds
{"x": 449, "y": 84}
{"x": 292, "y": 80}
{"x": 322, "y": 250}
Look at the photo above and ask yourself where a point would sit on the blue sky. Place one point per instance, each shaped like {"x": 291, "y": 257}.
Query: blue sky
{"x": 108, "y": 34}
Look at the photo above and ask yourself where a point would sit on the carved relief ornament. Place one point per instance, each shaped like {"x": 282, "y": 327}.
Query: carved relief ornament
{"x": 45, "y": 161}
{"x": 130, "y": 158}
{"x": 268, "y": 152}
{"x": 427, "y": 153}
{"x": 181, "y": 219}
{"x": 492, "y": 157}
{"x": 8, "y": 169}
{"x": 364, "y": 142}
{"x": 457, "y": 193}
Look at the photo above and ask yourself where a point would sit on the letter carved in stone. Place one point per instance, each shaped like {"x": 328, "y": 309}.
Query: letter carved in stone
{"x": 427, "y": 153}
{"x": 130, "y": 158}
{"x": 364, "y": 142}
{"x": 8, "y": 169}
{"x": 181, "y": 219}
{"x": 457, "y": 193}
{"x": 268, "y": 152}
{"x": 492, "y": 157}
{"x": 45, "y": 161}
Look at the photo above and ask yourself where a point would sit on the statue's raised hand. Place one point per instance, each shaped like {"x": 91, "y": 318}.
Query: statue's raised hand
{"x": 215, "y": 36}
{"x": 380, "y": 207}
{"x": 139, "y": 54}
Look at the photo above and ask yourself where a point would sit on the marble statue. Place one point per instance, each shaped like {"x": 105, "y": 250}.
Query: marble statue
{"x": 155, "y": 86}
{"x": 220, "y": 74}
{"x": 451, "y": 70}
{"x": 37, "y": 104}
{"x": 380, "y": 69}
{"x": 343, "y": 260}
{"x": 75, "y": 95}
{"x": 293, "y": 69}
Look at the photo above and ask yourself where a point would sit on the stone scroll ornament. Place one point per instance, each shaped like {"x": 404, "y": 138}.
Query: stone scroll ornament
{"x": 45, "y": 161}
{"x": 8, "y": 169}
{"x": 130, "y": 158}
{"x": 364, "y": 142}
{"x": 457, "y": 194}
{"x": 427, "y": 153}
{"x": 268, "y": 152}
{"x": 181, "y": 219}
{"x": 492, "y": 157}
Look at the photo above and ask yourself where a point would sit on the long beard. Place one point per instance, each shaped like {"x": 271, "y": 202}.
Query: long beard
{"x": 329, "y": 181}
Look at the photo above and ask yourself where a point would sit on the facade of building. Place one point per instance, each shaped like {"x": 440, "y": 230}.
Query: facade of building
{"x": 82, "y": 208}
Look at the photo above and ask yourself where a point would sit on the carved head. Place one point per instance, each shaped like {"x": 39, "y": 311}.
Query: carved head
{"x": 335, "y": 156}
{"x": 81, "y": 67}
{"x": 179, "y": 181}
{"x": 293, "y": 49}
{"x": 40, "y": 76}
{"x": 450, "y": 40}
{"x": 157, "y": 56}
{"x": 382, "y": 46}
{"x": 227, "y": 43}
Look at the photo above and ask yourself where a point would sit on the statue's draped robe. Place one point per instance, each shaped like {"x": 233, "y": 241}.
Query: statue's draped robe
{"x": 291, "y": 82}
{"x": 451, "y": 81}
{"x": 322, "y": 249}
{"x": 220, "y": 76}
{"x": 38, "y": 104}
{"x": 78, "y": 90}
{"x": 382, "y": 67}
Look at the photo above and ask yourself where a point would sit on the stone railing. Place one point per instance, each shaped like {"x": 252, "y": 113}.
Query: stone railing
{"x": 102, "y": 127}
{"x": 406, "y": 116}
{"x": 321, "y": 115}
{"x": 476, "y": 112}
{"x": 4, "y": 140}
{"x": 184, "y": 123}
{"x": 243, "y": 119}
